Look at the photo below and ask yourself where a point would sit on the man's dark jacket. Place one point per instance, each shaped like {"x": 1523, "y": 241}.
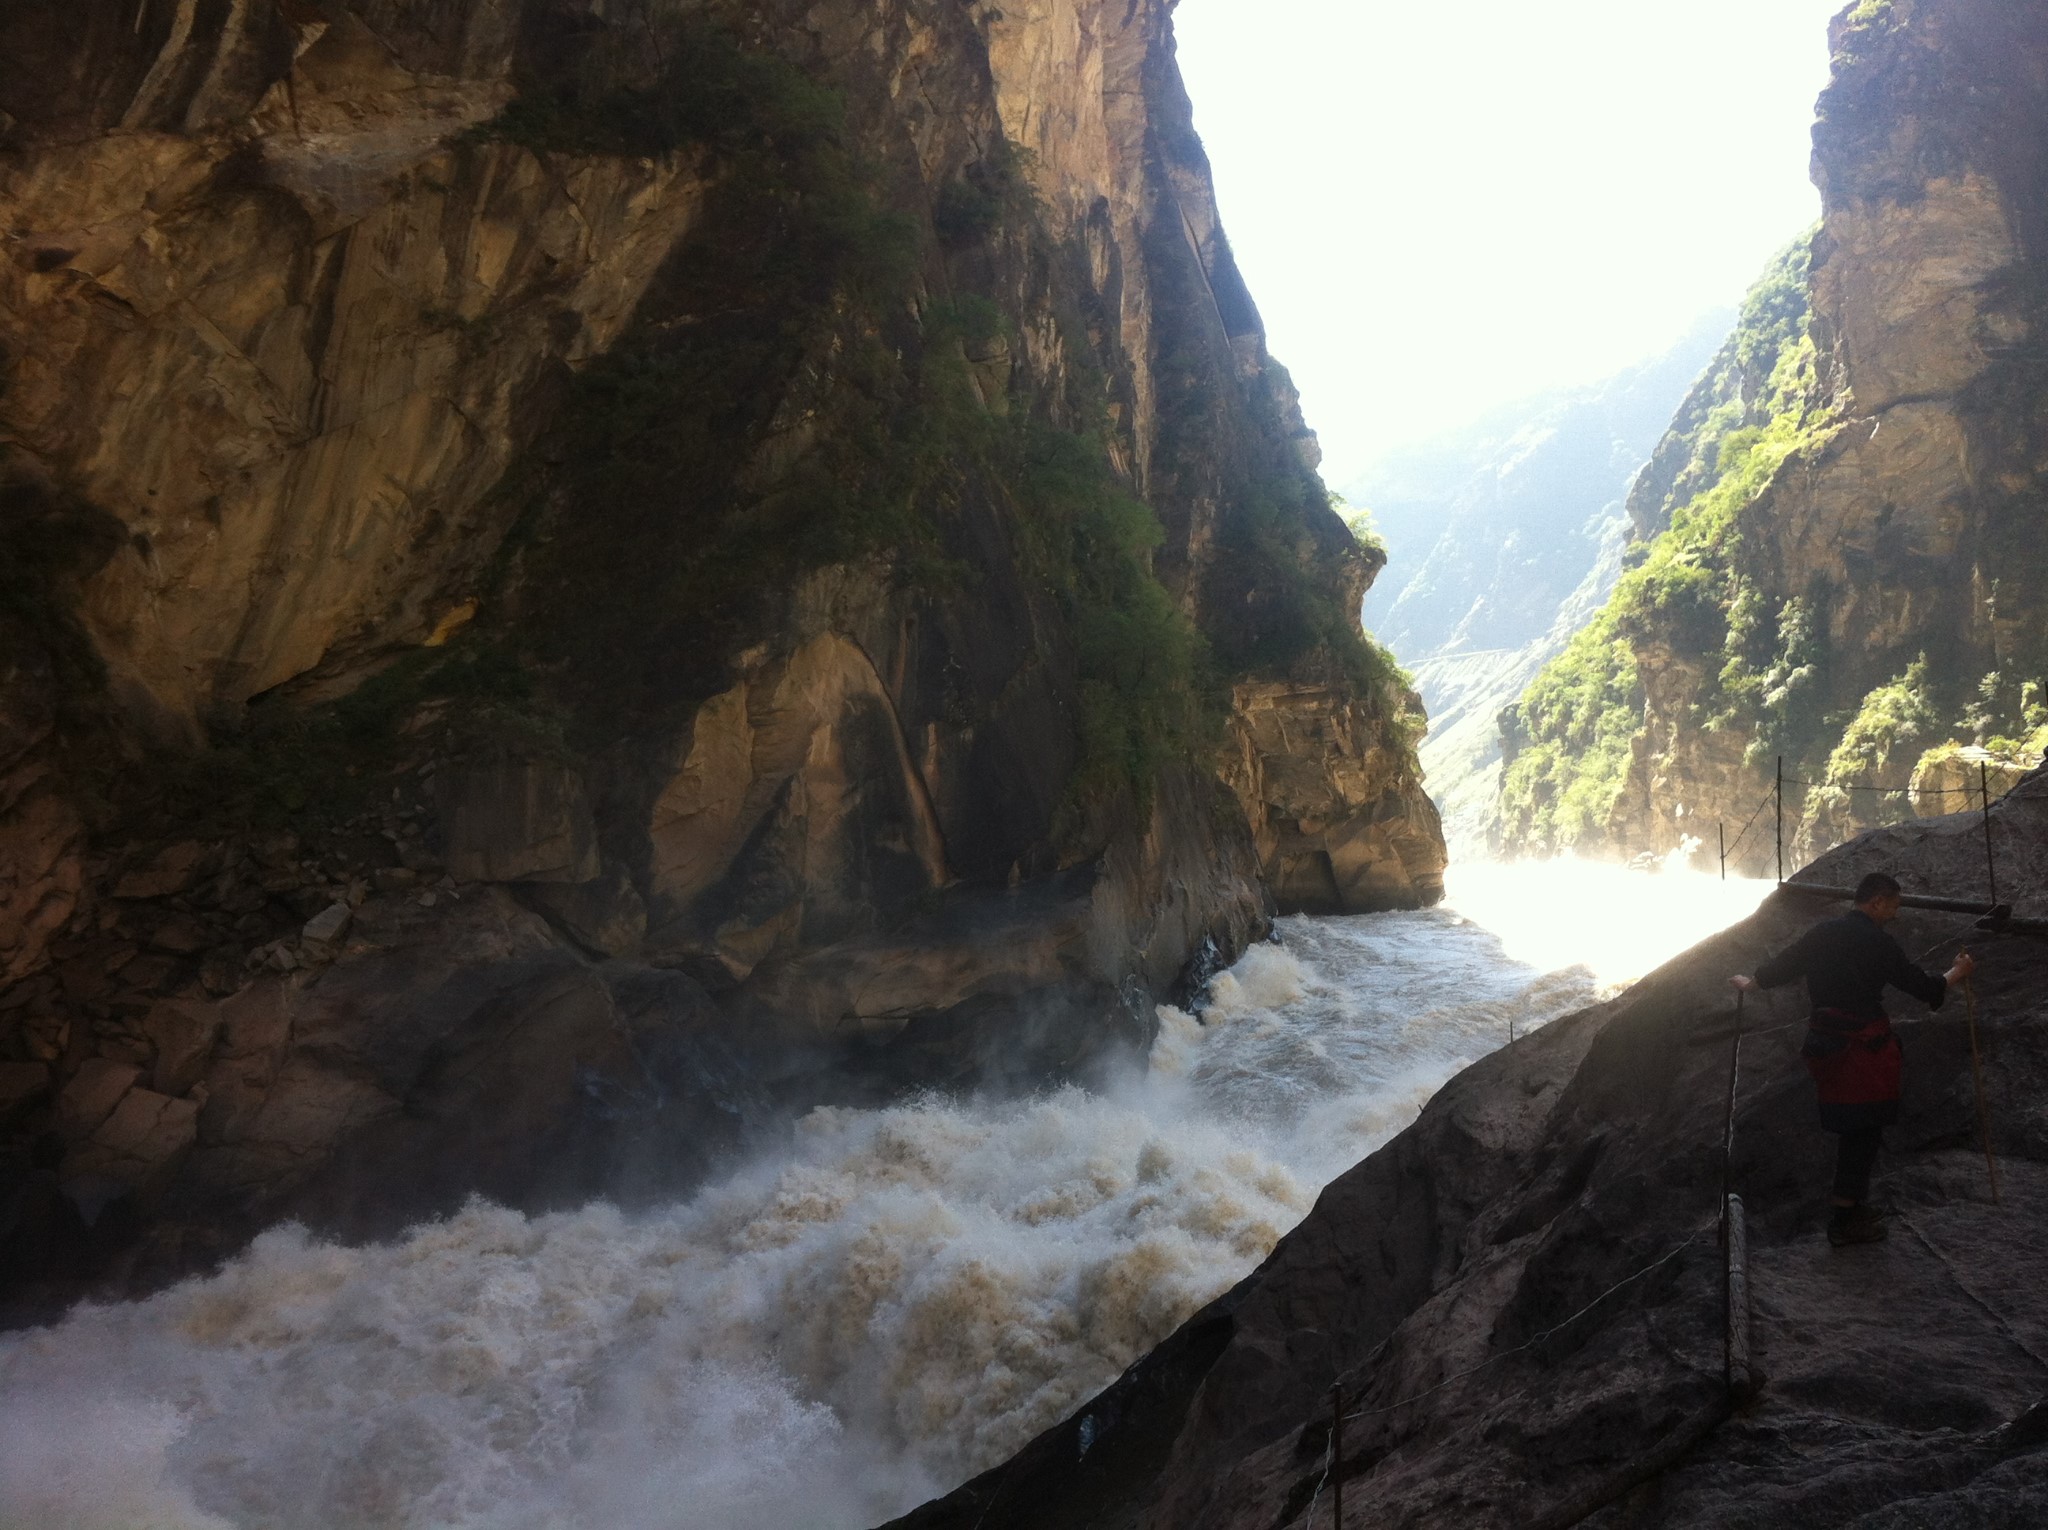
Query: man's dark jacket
{"x": 1850, "y": 1049}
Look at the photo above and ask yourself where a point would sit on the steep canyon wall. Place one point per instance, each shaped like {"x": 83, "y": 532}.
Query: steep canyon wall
{"x": 1839, "y": 563}
{"x": 576, "y": 573}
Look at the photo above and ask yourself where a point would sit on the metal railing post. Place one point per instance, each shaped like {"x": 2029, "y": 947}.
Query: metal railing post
{"x": 1990, "y": 861}
{"x": 1781, "y": 818}
{"x": 1336, "y": 1457}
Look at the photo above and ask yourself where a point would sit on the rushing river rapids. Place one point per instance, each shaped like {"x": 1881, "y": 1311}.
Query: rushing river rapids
{"x": 897, "y": 1299}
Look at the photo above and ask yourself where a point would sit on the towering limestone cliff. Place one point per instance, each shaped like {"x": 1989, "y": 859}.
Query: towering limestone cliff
{"x": 1841, "y": 570}
{"x": 575, "y": 572}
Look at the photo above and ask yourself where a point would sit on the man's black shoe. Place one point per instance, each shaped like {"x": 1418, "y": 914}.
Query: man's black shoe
{"x": 1855, "y": 1224}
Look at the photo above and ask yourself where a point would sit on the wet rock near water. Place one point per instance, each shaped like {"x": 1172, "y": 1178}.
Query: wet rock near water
{"x": 1521, "y": 1296}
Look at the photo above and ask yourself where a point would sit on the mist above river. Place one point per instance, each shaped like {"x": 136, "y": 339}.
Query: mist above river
{"x": 888, "y": 1303}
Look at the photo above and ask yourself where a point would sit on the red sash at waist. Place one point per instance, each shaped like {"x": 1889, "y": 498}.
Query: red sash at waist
{"x": 1854, "y": 1060}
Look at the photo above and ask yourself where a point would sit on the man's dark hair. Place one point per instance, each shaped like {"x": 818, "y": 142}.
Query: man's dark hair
{"x": 1877, "y": 885}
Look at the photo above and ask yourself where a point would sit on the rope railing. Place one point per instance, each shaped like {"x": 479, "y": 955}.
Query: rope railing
{"x": 1739, "y": 1380}
{"x": 1729, "y": 850}
{"x": 1979, "y": 795}
{"x": 1528, "y": 1344}
{"x": 1333, "y": 1466}
{"x": 1971, "y": 792}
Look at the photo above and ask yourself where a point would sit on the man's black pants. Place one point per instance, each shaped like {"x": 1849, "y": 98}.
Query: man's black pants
{"x": 1854, "y": 1158}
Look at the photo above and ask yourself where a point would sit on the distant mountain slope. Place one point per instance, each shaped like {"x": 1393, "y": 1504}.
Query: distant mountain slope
{"x": 1503, "y": 539}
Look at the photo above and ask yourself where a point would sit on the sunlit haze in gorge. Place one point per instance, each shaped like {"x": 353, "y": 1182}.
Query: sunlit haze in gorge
{"x": 1443, "y": 208}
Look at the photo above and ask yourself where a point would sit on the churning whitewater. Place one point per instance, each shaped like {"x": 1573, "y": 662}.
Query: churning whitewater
{"x": 893, "y": 1301}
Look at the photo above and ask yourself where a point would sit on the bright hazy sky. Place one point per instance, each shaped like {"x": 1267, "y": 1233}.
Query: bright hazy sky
{"x": 1443, "y": 206}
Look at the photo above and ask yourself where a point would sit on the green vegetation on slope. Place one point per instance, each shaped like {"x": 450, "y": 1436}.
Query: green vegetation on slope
{"x": 1741, "y": 654}
{"x": 646, "y": 92}
{"x": 1566, "y": 742}
{"x": 1148, "y": 696}
{"x": 1881, "y": 747}
{"x": 1686, "y": 590}
{"x": 1771, "y": 322}
{"x": 1862, "y": 27}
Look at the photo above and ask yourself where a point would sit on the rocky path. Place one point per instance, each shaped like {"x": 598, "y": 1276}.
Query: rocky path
{"x": 1521, "y": 1297}
{"x": 1898, "y": 1377}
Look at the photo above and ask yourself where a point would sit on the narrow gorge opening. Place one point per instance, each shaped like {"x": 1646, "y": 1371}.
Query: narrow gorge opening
{"x": 1498, "y": 251}
{"x": 697, "y": 824}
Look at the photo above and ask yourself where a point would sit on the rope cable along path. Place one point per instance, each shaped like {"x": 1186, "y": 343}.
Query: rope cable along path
{"x": 1998, "y": 1319}
{"x": 1549, "y": 1333}
{"x": 1330, "y": 1462}
{"x": 1604, "y": 1492}
{"x": 1739, "y": 1379}
{"x": 1763, "y": 802}
{"x": 1972, "y": 793}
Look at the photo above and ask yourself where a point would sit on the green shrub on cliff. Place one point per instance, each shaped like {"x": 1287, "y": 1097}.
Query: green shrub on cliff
{"x": 1144, "y": 679}
{"x": 282, "y": 765}
{"x": 1773, "y": 318}
{"x": 1869, "y": 18}
{"x": 1147, "y": 694}
{"x": 1576, "y": 720}
{"x": 1358, "y": 521}
{"x": 1890, "y": 732}
{"x": 985, "y": 195}
{"x": 694, "y": 533}
{"x": 649, "y": 90}
{"x": 1690, "y": 591}
{"x": 1273, "y": 598}
{"x": 1743, "y": 381}
{"x": 813, "y": 380}
{"x": 1772, "y": 679}
{"x": 775, "y": 408}
{"x": 1897, "y": 716}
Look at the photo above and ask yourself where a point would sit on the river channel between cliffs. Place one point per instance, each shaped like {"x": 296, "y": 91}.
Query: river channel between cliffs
{"x": 890, "y": 1302}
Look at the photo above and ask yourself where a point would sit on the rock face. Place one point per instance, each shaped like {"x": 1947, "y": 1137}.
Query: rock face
{"x": 1339, "y": 816}
{"x": 573, "y": 581}
{"x": 1522, "y": 1295}
{"x": 1854, "y": 586}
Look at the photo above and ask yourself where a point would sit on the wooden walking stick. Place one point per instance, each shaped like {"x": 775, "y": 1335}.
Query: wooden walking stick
{"x": 1977, "y": 1077}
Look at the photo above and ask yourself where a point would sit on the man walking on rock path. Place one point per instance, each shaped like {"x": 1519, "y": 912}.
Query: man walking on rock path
{"x": 1850, "y": 1049}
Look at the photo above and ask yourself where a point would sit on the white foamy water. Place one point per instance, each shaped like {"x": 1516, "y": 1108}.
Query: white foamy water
{"x": 895, "y": 1300}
